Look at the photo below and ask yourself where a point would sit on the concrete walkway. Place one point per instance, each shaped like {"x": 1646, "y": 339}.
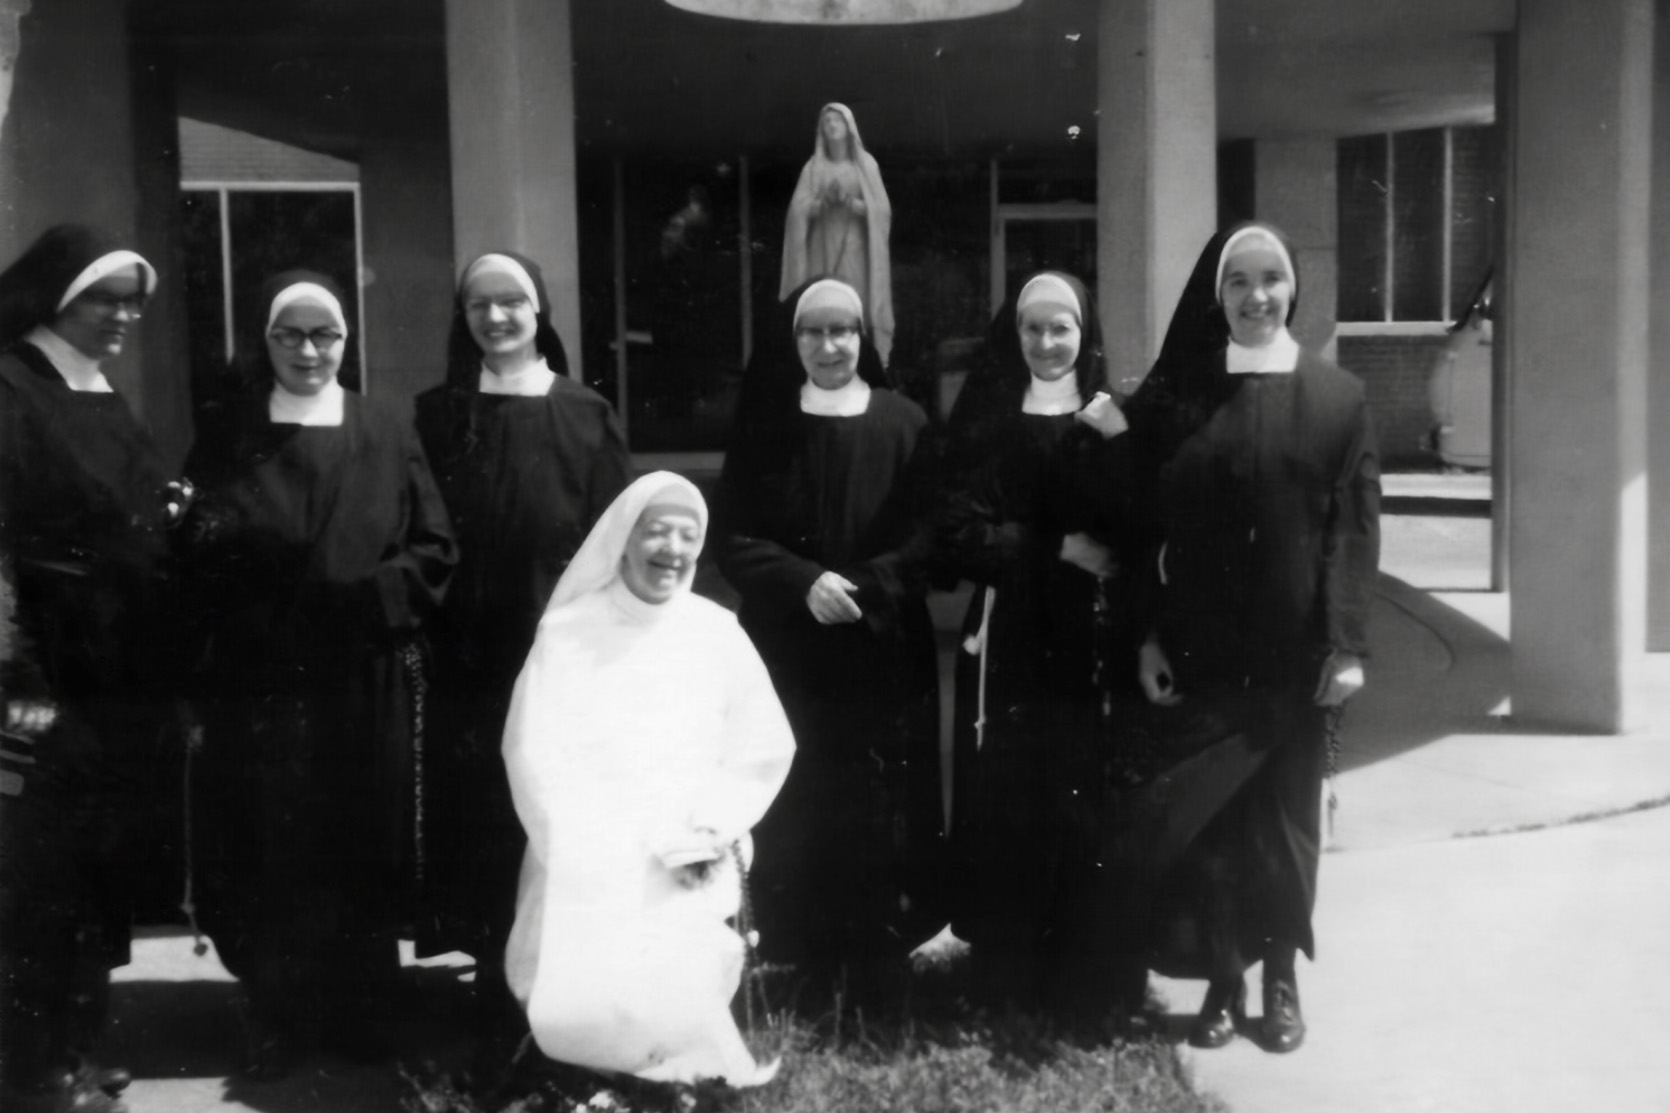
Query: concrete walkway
{"x": 1524, "y": 971}
{"x": 1516, "y": 972}
{"x": 1513, "y": 974}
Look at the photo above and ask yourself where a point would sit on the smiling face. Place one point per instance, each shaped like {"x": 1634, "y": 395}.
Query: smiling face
{"x": 1050, "y": 339}
{"x": 501, "y": 316}
{"x": 828, "y": 339}
{"x": 311, "y": 365}
{"x": 660, "y": 556}
{"x": 97, "y": 322}
{"x": 1257, "y": 293}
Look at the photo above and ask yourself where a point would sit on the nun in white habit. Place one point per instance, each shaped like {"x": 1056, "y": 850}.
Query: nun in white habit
{"x": 644, "y": 741}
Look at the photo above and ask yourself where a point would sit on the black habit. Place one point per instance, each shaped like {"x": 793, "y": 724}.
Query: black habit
{"x": 1028, "y": 740}
{"x": 1266, "y": 502}
{"x": 86, "y": 633}
{"x": 82, "y": 537}
{"x": 849, "y": 854}
{"x": 523, "y": 479}
{"x": 317, "y": 554}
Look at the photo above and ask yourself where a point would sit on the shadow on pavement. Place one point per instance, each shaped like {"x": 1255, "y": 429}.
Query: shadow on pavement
{"x": 1433, "y": 672}
{"x": 186, "y": 1041}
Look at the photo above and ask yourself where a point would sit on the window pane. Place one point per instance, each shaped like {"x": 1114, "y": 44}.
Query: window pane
{"x": 683, "y": 304}
{"x": 1474, "y": 162}
{"x": 1031, "y": 246}
{"x": 204, "y": 281}
{"x": 1418, "y": 219}
{"x": 1362, "y": 228}
{"x": 941, "y": 269}
{"x": 274, "y": 231}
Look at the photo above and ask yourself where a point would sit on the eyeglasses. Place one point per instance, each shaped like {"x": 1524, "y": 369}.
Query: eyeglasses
{"x": 837, "y": 333}
{"x": 292, "y": 338}
{"x": 110, "y": 304}
{"x": 480, "y": 306}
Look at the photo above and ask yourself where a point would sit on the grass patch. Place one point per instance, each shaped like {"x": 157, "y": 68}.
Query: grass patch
{"x": 920, "y": 1044}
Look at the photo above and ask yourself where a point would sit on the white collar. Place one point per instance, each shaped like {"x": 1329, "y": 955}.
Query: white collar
{"x": 1279, "y": 357}
{"x": 640, "y": 612}
{"x": 82, "y": 374}
{"x": 1050, "y": 399}
{"x": 322, "y": 409}
{"x": 850, "y": 400}
{"x": 531, "y": 380}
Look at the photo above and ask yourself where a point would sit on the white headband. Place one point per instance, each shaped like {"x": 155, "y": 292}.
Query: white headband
{"x": 1048, "y": 289}
{"x": 829, "y": 293}
{"x": 1236, "y": 240}
{"x": 104, "y": 266}
{"x": 311, "y": 291}
{"x": 502, "y": 264}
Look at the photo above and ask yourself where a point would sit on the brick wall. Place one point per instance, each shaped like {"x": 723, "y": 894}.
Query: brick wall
{"x": 1396, "y": 369}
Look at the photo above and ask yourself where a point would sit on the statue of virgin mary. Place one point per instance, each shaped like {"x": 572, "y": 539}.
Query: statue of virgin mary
{"x": 838, "y": 223}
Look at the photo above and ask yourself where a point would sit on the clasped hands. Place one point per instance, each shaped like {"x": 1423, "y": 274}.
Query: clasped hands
{"x": 30, "y": 718}
{"x": 836, "y": 198}
{"x": 177, "y": 497}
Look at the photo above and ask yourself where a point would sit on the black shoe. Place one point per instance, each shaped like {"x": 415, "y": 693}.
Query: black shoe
{"x": 1224, "y": 1009}
{"x": 74, "y": 1096}
{"x": 91, "y": 1099}
{"x": 1284, "y": 1025}
{"x": 111, "y": 1080}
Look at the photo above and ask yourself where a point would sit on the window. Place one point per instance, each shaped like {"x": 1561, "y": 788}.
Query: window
{"x": 1416, "y": 222}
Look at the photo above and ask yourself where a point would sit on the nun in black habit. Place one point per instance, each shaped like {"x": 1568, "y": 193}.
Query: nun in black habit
{"x": 526, "y": 459}
{"x": 318, "y": 549}
{"x": 816, "y": 526}
{"x": 1260, "y": 459}
{"x": 1033, "y": 522}
{"x": 85, "y": 678}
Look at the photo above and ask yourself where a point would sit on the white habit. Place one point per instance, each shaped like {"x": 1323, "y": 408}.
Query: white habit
{"x": 640, "y": 737}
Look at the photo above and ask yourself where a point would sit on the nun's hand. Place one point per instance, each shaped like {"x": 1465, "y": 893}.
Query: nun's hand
{"x": 30, "y": 717}
{"x": 1103, "y": 414}
{"x": 1083, "y": 551}
{"x": 856, "y": 204}
{"x": 830, "y": 600}
{"x": 1154, "y": 673}
{"x": 1342, "y": 678}
{"x": 178, "y": 496}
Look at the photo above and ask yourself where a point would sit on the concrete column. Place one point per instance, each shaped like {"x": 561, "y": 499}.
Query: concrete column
{"x": 1156, "y": 168}
{"x": 511, "y": 92}
{"x": 1578, "y": 249}
{"x": 1658, "y": 488}
{"x": 164, "y": 349}
{"x": 80, "y": 113}
{"x": 1501, "y": 352}
{"x": 406, "y": 227}
{"x": 11, "y": 13}
{"x": 67, "y": 149}
{"x": 1297, "y": 190}
{"x": 407, "y": 236}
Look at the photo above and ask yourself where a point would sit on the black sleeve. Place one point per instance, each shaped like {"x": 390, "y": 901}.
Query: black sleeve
{"x": 761, "y": 567}
{"x": 412, "y": 580}
{"x": 1351, "y": 546}
{"x": 611, "y": 470}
